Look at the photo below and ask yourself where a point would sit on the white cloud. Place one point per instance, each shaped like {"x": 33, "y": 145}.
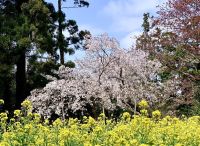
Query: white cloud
{"x": 126, "y": 15}
{"x": 128, "y": 7}
{"x": 127, "y": 24}
{"x": 129, "y": 40}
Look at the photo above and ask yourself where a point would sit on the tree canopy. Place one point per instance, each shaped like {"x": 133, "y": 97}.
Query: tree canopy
{"x": 29, "y": 45}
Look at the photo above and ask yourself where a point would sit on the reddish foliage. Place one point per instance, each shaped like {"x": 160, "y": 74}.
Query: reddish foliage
{"x": 183, "y": 17}
{"x": 174, "y": 39}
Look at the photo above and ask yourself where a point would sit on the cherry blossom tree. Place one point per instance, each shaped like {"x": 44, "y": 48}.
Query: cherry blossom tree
{"x": 108, "y": 78}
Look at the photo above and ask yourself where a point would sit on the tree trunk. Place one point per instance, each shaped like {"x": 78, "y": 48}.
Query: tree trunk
{"x": 60, "y": 35}
{"x": 7, "y": 95}
{"x": 21, "y": 80}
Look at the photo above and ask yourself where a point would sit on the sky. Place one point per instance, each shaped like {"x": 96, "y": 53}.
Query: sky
{"x": 121, "y": 19}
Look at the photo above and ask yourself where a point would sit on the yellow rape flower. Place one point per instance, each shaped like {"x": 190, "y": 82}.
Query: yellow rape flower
{"x": 126, "y": 116}
{"x": 3, "y": 143}
{"x": 3, "y": 117}
{"x": 121, "y": 141}
{"x": 144, "y": 112}
{"x": 12, "y": 120}
{"x": 16, "y": 143}
{"x": 46, "y": 121}
{"x": 93, "y": 132}
{"x": 8, "y": 135}
{"x": 91, "y": 121}
{"x": 98, "y": 129}
{"x": 57, "y": 122}
{"x": 143, "y": 104}
{"x": 134, "y": 142}
{"x": 26, "y": 104}
{"x": 39, "y": 141}
{"x": 28, "y": 126}
{"x": 144, "y": 145}
{"x": 64, "y": 133}
{"x": 1, "y": 101}
{"x": 30, "y": 115}
{"x": 17, "y": 113}
{"x": 178, "y": 144}
{"x": 156, "y": 114}
{"x": 37, "y": 117}
{"x": 87, "y": 144}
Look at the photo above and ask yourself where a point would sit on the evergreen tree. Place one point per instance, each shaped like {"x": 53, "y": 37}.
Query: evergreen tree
{"x": 7, "y": 51}
{"x": 74, "y": 41}
{"x": 34, "y": 33}
{"x": 29, "y": 45}
{"x": 25, "y": 30}
{"x": 145, "y": 24}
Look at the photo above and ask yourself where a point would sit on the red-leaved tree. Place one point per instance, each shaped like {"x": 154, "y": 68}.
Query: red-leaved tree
{"x": 174, "y": 39}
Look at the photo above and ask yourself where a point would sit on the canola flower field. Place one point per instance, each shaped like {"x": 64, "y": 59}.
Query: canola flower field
{"x": 27, "y": 129}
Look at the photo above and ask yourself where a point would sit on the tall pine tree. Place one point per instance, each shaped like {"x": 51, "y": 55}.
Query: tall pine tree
{"x": 76, "y": 37}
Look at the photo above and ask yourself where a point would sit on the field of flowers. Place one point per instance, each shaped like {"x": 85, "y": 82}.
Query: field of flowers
{"x": 27, "y": 129}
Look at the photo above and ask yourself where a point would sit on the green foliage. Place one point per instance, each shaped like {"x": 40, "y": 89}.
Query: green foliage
{"x": 185, "y": 109}
{"x": 70, "y": 64}
{"x": 25, "y": 26}
{"x": 165, "y": 75}
{"x": 36, "y": 71}
{"x": 24, "y": 42}
{"x": 74, "y": 40}
{"x": 29, "y": 46}
{"x": 196, "y": 109}
{"x": 146, "y": 25}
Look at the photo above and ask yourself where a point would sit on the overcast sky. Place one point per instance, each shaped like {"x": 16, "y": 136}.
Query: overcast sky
{"x": 121, "y": 19}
